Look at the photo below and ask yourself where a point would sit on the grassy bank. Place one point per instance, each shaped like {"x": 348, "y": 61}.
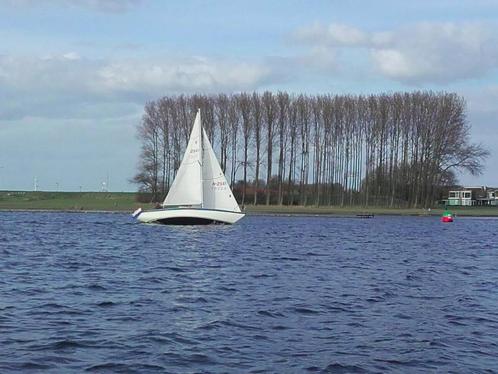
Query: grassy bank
{"x": 353, "y": 211}
{"x": 67, "y": 201}
{"x": 125, "y": 201}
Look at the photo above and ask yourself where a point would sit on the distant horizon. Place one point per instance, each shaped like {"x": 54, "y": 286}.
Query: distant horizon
{"x": 64, "y": 191}
{"x": 136, "y": 191}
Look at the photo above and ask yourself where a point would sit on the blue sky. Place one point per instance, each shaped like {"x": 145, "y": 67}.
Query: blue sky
{"x": 75, "y": 74}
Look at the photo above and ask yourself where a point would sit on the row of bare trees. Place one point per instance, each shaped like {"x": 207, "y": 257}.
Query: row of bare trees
{"x": 394, "y": 150}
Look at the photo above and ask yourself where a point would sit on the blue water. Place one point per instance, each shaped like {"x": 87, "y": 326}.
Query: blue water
{"x": 99, "y": 292}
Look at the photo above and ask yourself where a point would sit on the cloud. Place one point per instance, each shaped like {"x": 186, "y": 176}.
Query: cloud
{"x": 109, "y": 6}
{"x": 71, "y": 56}
{"x": 322, "y": 58}
{"x": 71, "y": 85}
{"x": 419, "y": 53}
{"x": 332, "y": 35}
{"x": 441, "y": 52}
{"x": 189, "y": 75}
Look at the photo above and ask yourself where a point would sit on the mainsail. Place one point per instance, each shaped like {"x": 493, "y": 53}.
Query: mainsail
{"x": 187, "y": 186}
{"x": 200, "y": 180}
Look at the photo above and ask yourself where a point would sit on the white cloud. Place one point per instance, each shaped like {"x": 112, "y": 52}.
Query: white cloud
{"x": 71, "y": 56}
{"x": 392, "y": 62}
{"x": 419, "y": 53}
{"x": 189, "y": 75}
{"x": 440, "y": 52}
{"x": 69, "y": 84}
{"x": 333, "y": 35}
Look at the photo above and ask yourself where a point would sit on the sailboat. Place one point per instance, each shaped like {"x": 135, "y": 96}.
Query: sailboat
{"x": 199, "y": 193}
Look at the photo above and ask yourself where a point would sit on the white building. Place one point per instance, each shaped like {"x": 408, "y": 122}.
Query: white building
{"x": 469, "y": 196}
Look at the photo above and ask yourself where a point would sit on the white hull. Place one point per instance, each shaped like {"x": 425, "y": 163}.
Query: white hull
{"x": 188, "y": 216}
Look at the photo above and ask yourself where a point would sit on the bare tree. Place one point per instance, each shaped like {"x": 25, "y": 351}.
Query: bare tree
{"x": 269, "y": 114}
{"x": 234, "y": 122}
{"x": 244, "y": 106}
{"x": 304, "y": 119}
{"x": 283, "y": 101}
{"x": 221, "y": 114}
{"x": 257, "y": 120}
{"x": 392, "y": 150}
{"x": 149, "y": 166}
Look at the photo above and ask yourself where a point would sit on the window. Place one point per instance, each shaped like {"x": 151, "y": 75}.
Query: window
{"x": 453, "y": 194}
{"x": 466, "y": 195}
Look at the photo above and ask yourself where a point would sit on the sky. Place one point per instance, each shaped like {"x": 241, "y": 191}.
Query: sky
{"x": 76, "y": 74}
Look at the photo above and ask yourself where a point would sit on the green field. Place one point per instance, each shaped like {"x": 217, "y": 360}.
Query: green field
{"x": 68, "y": 201}
{"x": 353, "y": 211}
{"x": 125, "y": 202}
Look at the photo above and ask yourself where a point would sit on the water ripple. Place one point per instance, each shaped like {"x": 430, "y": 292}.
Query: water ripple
{"x": 101, "y": 293}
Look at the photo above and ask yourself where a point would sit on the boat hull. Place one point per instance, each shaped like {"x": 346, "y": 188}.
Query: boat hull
{"x": 189, "y": 216}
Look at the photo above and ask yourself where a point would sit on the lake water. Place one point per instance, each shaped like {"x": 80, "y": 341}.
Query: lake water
{"x": 100, "y": 292}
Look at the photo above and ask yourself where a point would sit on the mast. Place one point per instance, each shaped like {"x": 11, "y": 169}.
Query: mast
{"x": 201, "y": 156}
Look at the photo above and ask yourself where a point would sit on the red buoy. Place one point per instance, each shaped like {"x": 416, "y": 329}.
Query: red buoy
{"x": 447, "y": 216}
{"x": 447, "y": 219}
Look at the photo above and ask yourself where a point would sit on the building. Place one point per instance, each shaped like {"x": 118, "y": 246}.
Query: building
{"x": 473, "y": 196}
{"x": 461, "y": 197}
{"x": 493, "y": 197}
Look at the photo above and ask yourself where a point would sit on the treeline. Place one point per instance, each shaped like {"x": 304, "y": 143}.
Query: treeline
{"x": 396, "y": 150}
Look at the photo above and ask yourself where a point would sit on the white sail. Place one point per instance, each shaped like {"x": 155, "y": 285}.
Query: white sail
{"x": 216, "y": 191}
{"x": 187, "y": 186}
{"x": 200, "y": 193}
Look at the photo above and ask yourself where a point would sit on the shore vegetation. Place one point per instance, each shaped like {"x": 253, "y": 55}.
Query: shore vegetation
{"x": 396, "y": 150}
{"x": 127, "y": 202}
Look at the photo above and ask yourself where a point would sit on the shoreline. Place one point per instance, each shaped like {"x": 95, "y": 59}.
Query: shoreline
{"x": 125, "y": 202}
{"x": 300, "y": 212}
